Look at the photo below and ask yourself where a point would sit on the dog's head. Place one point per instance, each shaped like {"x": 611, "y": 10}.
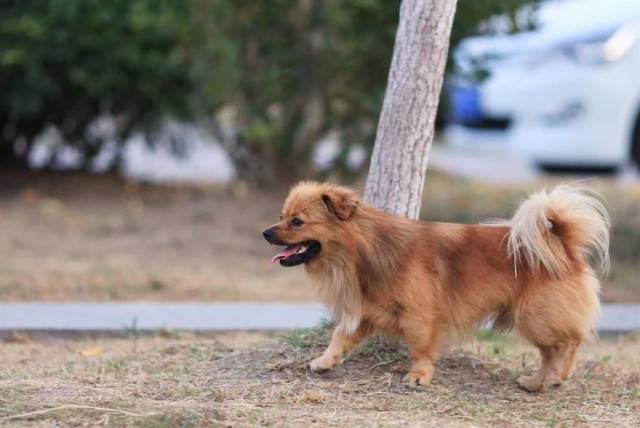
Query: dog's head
{"x": 312, "y": 217}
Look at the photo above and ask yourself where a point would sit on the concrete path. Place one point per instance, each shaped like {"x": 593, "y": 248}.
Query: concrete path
{"x": 487, "y": 165}
{"x": 111, "y": 317}
{"x": 156, "y": 316}
{"x": 499, "y": 165}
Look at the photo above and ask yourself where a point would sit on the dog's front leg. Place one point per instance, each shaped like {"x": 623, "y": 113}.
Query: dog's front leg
{"x": 341, "y": 342}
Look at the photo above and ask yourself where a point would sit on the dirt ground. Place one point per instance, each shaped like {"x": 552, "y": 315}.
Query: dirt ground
{"x": 250, "y": 379}
{"x": 99, "y": 238}
{"x": 77, "y": 237}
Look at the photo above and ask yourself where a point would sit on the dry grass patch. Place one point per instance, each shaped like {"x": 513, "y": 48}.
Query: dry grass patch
{"x": 253, "y": 380}
{"x": 75, "y": 237}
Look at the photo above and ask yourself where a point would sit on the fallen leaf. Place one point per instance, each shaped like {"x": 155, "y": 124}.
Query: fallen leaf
{"x": 94, "y": 351}
{"x": 30, "y": 195}
{"x": 311, "y": 396}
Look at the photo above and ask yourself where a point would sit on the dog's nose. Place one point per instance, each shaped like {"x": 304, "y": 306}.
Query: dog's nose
{"x": 268, "y": 234}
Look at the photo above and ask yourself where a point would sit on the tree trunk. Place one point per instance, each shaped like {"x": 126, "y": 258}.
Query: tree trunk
{"x": 9, "y": 159}
{"x": 406, "y": 127}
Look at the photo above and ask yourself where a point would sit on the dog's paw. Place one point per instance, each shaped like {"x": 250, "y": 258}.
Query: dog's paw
{"x": 419, "y": 378}
{"x": 322, "y": 364}
{"x": 530, "y": 383}
{"x": 536, "y": 383}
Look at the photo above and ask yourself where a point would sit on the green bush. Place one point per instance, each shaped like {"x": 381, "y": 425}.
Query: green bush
{"x": 64, "y": 63}
{"x": 268, "y": 78}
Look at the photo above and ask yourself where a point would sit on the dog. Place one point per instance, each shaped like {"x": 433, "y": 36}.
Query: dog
{"x": 424, "y": 281}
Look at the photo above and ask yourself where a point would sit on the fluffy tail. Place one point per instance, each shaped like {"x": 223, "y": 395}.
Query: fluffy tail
{"x": 551, "y": 229}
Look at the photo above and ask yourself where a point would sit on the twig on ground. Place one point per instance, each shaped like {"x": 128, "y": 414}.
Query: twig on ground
{"x": 382, "y": 363}
{"x": 75, "y": 406}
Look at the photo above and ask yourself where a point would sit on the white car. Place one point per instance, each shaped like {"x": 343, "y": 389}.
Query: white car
{"x": 565, "y": 94}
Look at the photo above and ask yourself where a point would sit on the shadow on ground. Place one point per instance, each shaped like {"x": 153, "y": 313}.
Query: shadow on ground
{"x": 469, "y": 388}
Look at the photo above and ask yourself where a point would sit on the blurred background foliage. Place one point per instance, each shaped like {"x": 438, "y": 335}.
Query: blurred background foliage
{"x": 269, "y": 79}
{"x": 64, "y": 64}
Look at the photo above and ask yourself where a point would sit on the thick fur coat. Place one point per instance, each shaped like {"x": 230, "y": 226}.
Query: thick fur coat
{"x": 424, "y": 281}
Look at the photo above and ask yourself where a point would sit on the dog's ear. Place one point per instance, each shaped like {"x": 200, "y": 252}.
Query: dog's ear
{"x": 341, "y": 202}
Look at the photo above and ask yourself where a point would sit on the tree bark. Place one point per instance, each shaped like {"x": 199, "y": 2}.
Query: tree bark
{"x": 10, "y": 159}
{"x": 406, "y": 127}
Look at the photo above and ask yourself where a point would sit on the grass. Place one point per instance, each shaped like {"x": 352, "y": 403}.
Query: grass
{"x": 252, "y": 379}
{"x": 74, "y": 237}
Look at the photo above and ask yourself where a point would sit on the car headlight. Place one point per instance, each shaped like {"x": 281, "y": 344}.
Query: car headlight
{"x": 603, "y": 49}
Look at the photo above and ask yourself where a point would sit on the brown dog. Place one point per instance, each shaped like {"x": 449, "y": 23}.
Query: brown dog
{"x": 422, "y": 280}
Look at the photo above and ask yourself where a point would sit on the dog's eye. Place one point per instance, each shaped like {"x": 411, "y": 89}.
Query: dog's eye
{"x": 296, "y": 222}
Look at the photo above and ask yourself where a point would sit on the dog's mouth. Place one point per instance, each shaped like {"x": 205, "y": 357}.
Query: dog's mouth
{"x": 296, "y": 254}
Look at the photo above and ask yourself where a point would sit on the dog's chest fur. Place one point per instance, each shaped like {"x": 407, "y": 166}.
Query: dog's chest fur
{"x": 360, "y": 279}
{"x": 336, "y": 290}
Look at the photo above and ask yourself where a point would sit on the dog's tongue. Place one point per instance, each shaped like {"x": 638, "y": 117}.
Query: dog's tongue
{"x": 285, "y": 253}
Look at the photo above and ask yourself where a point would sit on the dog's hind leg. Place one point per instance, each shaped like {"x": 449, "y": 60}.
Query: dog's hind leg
{"x": 570, "y": 359}
{"x": 424, "y": 343}
{"x": 558, "y": 362}
{"x": 555, "y": 360}
{"x": 341, "y": 343}
{"x": 556, "y": 317}
{"x": 557, "y": 332}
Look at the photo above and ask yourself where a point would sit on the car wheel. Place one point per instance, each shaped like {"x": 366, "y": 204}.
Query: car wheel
{"x": 562, "y": 169}
{"x": 635, "y": 143}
